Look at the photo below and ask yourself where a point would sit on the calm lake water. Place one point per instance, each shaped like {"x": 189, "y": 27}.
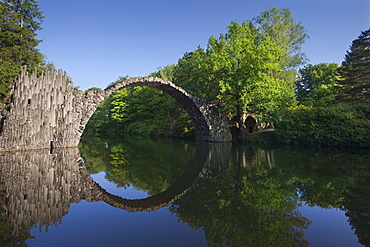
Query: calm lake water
{"x": 159, "y": 192}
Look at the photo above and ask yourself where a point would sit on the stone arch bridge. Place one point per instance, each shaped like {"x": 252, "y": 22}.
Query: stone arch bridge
{"x": 45, "y": 111}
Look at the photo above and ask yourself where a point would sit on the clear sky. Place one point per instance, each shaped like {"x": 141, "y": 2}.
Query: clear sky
{"x": 96, "y": 41}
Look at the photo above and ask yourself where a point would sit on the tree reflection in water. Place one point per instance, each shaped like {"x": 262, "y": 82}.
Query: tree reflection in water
{"x": 252, "y": 199}
{"x": 238, "y": 195}
{"x": 250, "y": 195}
{"x": 247, "y": 201}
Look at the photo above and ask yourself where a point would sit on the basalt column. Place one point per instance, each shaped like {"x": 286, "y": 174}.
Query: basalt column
{"x": 39, "y": 112}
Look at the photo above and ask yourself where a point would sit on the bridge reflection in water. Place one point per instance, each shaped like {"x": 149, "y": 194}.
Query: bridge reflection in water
{"x": 237, "y": 186}
{"x": 38, "y": 187}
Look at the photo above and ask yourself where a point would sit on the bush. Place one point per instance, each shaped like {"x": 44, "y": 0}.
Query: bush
{"x": 342, "y": 124}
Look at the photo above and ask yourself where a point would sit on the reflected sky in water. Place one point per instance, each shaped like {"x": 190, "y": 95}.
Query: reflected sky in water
{"x": 97, "y": 224}
{"x": 256, "y": 195}
{"x": 328, "y": 225}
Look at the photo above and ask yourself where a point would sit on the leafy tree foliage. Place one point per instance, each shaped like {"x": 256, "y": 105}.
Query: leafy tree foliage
{"x": 193, "y": 73}
{"x": 237, "y": 71}
{"x": 288, "y": 35}
{"x": 92, "y": 88}
{"x": 285, "y": 32}
{"x": 329, "y": 114}
{"x": 318, "y": 84}
{"x": 166, "y": 73}
{"x": 243, "y": 63}
{"x": 149, "y": 111}
{"x": 133, "y": 108}
{"x": 143, "y": 111}
{"x": 356, "y": 68}
{"x": 340, "y": 124}
{"x": 19, "y": 22}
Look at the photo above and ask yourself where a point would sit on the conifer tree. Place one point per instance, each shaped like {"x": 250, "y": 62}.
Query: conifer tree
{"x": 356, "y": 68}
{"x": 19, "y": 22}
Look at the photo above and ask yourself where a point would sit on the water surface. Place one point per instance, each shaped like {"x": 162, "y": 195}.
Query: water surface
{"x": 159, "y": 192}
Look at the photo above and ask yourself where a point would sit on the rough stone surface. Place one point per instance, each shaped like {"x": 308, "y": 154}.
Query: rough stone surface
{"x": 46, "y": 112}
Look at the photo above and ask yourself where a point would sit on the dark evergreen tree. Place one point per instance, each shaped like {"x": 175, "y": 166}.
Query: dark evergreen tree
{"x": 19, "y": 22}
{"x": 356, "y": 68}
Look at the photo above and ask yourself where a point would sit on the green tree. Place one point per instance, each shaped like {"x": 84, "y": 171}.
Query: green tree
{"x": 101, "y": 121}
{"x": 238, "y": 70}
{"x": 8, "y": 71}
{"x": 356, "y": 68}
{"x": 143, "y": 110}
{"x": 120, "y": 78}
{"x": 118, "y": 105}
{"x": 318, "y": 84}
{"x": 19, "y": 22}
{"x": 243, "y": 63}
{"x": 92, "y": 88}
{"x": 149, "y": 111}
{"x": 166, "y": 72}
{"x": 339, "y": 124}
{"x": 285, "y": 32}
{"x": 193, "y": 73}
{"x": 289, "y": 36}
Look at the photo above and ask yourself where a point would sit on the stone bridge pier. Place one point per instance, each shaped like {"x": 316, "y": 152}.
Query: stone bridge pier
{"x": 46, "y": 112}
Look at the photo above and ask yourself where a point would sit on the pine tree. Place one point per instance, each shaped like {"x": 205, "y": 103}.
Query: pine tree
{"x": 19, "y": 22}
{"x": 356, "y": 68}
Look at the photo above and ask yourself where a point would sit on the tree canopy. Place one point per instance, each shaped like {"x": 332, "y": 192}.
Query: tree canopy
{"x": 252, "y": 69}
{"x": 318, "y": 84}
{"x": 356, "y": 67}
{"x": 238, "y": 71}
{"x": 289, "y": 35}
{"x": 19, "y": 22}
{"x": 285, "y": 32}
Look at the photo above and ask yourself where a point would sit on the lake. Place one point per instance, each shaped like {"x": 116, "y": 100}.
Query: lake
{"x": 161, "y": 192}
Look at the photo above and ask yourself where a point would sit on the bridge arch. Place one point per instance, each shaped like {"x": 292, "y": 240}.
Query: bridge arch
{"x": 191, "y": 104}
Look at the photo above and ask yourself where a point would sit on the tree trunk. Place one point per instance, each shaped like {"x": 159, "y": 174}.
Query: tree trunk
{"x": 240, "y": 123}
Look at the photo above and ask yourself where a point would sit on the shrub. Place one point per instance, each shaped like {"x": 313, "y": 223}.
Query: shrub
{"x": 342, "y": 124}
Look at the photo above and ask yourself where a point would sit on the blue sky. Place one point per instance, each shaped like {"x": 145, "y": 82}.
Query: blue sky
{"x": 97, "y": 41}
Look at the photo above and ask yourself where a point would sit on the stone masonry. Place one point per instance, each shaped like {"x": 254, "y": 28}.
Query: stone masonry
{"x": 46, "y": 112}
